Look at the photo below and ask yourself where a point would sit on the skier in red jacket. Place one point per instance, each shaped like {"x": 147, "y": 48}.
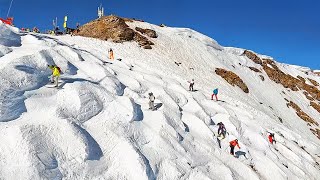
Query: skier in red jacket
{"x": 233, "y": 144}
{"x": 271, "y": 138}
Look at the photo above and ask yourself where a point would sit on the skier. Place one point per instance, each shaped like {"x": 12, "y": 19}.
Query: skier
{"x": 191, "y": 83}
{"x": 233, "y": 144}
{"x": 215, "y": 93}
{"x": 111, "y": 54}
{"x": 151, "y": 101}
{"x": 221, "y": 130}
{"x": 271, "y": 138}
{"x": 55, "y": 74}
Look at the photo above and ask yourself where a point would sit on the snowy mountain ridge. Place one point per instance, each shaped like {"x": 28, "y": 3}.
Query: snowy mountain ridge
{"x": 97, "y": 125}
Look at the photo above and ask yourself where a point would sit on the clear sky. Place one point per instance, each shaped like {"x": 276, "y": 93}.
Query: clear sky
{"x": 288, "y": 30}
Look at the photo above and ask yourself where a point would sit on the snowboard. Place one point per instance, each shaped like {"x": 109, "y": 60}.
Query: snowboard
{"x": 52, "y": 85}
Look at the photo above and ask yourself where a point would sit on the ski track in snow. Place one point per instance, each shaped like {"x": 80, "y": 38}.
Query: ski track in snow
{"x": 97, "y": 125}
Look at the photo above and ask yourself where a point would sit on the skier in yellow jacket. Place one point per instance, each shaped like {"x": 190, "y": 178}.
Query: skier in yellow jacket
{"x": 55, "y": 74}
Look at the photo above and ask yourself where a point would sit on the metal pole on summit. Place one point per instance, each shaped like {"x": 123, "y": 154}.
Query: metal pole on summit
{"x": 9, "y": 8}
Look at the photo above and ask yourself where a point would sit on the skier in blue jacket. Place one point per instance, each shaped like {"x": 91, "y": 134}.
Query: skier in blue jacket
{"x": 215, "y": 93}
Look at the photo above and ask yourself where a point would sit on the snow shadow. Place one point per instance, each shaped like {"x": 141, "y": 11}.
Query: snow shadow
{"x": 93, "y": 149}
{"x": 137, "y": 112}
{"x": 72, "y": 80}
{"x": 157, "y": 106}
{"x": 240, "y": 153}
{"x": 12, "y": 106}
{"x": 72, "y": 70}
{"x": 186, "y": 127}
{"x": 12, "y": 99}
{"x": 149, "y": 171}
{"x": 26, "y": 69}
{"x": 50, "y": 162}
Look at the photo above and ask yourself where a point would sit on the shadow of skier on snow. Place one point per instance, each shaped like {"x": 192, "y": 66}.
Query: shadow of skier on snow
{"x": 240, "y": 153}
{"x": 157, "y": 106}
{"x": 72, "y": 80}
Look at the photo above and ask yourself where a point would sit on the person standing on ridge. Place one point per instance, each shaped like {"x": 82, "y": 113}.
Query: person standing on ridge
{"x": 78, "y": 27}
{"x": 191, "y": 83}
{"x": 271, "y": 138}
{"x": 111, "y": 54}
{"x": 215, "y": 93}
{"x": 151, "y": 101}
{"x": 55, "y": 74}
{"x": 233, "y": 144}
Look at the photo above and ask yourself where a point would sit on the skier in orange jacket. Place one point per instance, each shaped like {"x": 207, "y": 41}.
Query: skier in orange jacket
{"x": 233, "y": 144}
{"x": 111, "y": 54}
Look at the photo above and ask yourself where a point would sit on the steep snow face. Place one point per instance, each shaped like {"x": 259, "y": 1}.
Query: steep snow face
{"x": 97, "y": 124}
{"x": 9, "y": 36}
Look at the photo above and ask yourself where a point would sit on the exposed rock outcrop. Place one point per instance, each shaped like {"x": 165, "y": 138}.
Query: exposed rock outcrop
{"x": 288, "y": 81}
{"x": 308, "y": 96}
{"x": 315, "y": 83}
{"x": 302, "y": 114}
{"x": 232, "y": 79}
{"x": 254, "y": 69}
{"x": 315, "y": 106}
{"x": 261, "y": 77}
{"x": 114, "y": 28}
{"x": 149, "y": 32}
{"x": 316, "y": 132}
{"x": 253, "y": 57}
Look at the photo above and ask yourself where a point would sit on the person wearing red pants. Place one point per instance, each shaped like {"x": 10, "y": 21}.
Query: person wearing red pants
{"x": 215, "y": 93}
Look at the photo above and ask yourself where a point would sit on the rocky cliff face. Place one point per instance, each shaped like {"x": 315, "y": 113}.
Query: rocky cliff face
{"x": 232, "y": 79}
{"x": 308, "y": 86}
{"x": 114, "y": 28}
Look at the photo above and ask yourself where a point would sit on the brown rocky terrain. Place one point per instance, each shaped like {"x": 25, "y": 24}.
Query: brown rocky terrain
{"x": 302, "y": 114}
{"x": 317, "y": 73}
{"x": 253, "y": 57}
{"x": 149, "y": 32}
{"x": 315, "y": 106}
{"x": 288, "y": 81}
{"x": 315, "y": 83}
{"x": 232, "y": 79}
{"x": 115, "y": 28}
{"x": 311, "y": 92}
{"x": 316, "y": 132}
{"x": 308, "y": 96}
{"x": 254, "y": 69}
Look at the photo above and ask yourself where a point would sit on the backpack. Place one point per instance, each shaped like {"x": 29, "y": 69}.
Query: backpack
{"x": 59, "y": 69}
{"x": 215, "y": 91}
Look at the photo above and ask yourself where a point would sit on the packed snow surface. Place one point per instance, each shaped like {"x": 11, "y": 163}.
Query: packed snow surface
{"x": 97, "y": 124}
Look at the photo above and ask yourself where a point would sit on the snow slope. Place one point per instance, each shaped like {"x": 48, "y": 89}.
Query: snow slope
{"x": 97, "y": 125}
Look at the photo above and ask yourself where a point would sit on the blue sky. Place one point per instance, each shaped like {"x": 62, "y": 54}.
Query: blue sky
{"x": 288, "y": 30}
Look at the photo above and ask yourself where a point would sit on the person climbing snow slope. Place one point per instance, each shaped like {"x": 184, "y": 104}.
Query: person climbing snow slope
{"x": 55, "y": 74}
{"x": 151, "y": 101}
{"x": 233, "y": 144}
{"x": 271, "y": 138}
{"x": 111, "y": 54}
{"x": 191, "y": 83}
{"x": 215, "y": 93}
{"x": 221, "y": 130}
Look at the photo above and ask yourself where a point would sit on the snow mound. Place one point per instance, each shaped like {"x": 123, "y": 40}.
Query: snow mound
{"x": 80, "y": 101}
{"x": 9, "y": 36}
